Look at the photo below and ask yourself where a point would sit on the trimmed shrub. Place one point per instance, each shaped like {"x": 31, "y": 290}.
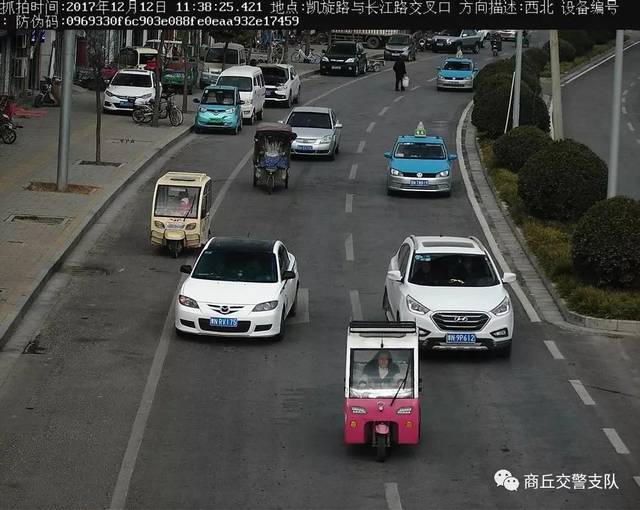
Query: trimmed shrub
{"x": 605, "y": 247}
{"x": 529, "y": 74}
{"x": 536, "y": 58}
{"x": 579, "y": 39}
{"x": 562, "y": 181}
{"x": 490, "y": 109}
{"x": 516, "y": 146}
{"x": 601, "y": 36}
{"x": 566, "y": 50}
{"x": 489, "y": 84}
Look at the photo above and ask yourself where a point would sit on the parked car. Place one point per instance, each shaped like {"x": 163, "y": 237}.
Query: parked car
{"x": 452, "y": 289}
{"x": 282, "y": 83}
{"x": 127, "y": 88}
{"x": 508, "y": 35}
{"x": 173, "y": 77}
{"x": 451, "y": 40}
{"x": 250, "y": 83}
{"x": 345, "y": 57}
{"x": 219, "y": 109}
{"x": 318, "y": 131}
{"x": 457, "y": 73}
{"x": 400, "y": 46}
{"x": 235, "y": 55}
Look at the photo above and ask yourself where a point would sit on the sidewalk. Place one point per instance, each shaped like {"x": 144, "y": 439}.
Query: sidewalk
{"x": 38, "y": 228}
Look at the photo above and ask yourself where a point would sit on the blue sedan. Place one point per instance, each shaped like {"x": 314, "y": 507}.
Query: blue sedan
{"x": 219, "y": 109}
{"x": 457, "y": 73}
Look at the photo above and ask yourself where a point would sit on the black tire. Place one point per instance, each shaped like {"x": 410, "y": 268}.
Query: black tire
{"x": 381, "y": 448}
{"x": 503, "y": 352}
{"x": 332, "y": 156}
{"x": 175, "y": 116}
{"x": 373, "y": 42}
{"x": 294, "y": 306}
{"x": 282, "y": 333}
{"x": 260, "y": 114}
{"x": 255, "y": 180}
{"x": 289, "y": 100}
{"x": 286, "y": 181}
{"x": 236, "y": 130}
{"x": 356, "y": 71}
{"x": 297, "y": 99}
{"x": 174, "y": 249}
{"x": 338, "y": 149}
{"x": 386, "y": 306}
{"x": 197, "y": 130}
{"x": 252, "y": 120}
{"x": 190, "y": 90}
{"x": 181, "y": 334}
{"x": 271, "y": 183}
{"x": 37, "y": 100}
{"x": 139, "y": 116}
{"x": 8, "y": 135}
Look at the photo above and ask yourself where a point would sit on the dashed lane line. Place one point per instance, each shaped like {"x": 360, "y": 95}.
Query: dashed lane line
{"x": 383, "y": 111}
{"x": 624, "y": 110}
{"x": 631, "y": 126}
{"x": 370, "y": 127}
{"x": 353, "y": 172}
{"x": 637, "y": 480}
{"x": 582, "y": 392}
{"x": 553, "y": 349}
{"x": 392, "y": 496}
{"x": 399, "y": 98}
{"x": 360, "y": 147}
{"x": 415, "y": 88}
{"x": 356, "y": 307}
{"x": 348, "y": 248}
{"x": 348, "y": 205}
{"x": 432, "y": 79}
{"x": 616, "y": 442}
{"x": 625, "y": 92}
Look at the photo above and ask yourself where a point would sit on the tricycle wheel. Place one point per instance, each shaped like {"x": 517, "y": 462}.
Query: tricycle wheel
{"x": 286, "y": 181}
{"x": 271, "y": 184}
{"x": 381, "y": 449}
{"x": 255, "y": 180}
{"x": 174, "y": 249}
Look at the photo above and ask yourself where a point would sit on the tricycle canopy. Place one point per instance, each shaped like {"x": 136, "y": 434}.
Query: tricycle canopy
{"x": 272, "y": 142}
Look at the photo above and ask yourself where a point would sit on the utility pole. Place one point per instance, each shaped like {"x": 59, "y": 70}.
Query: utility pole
{"x": 614, "y": 148}
{"x": 159, "y": 66}
{"x": 517, "y": 78}
{"x": 556, "y": 97}
{"x": 65, "y": 110}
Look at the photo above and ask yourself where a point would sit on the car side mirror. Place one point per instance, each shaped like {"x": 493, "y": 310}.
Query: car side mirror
{"x": 338, "y": 126}
{"x": 438, "y": 68}
{"x": 106, "y": 82}
{"x": 196, "y": 100}
{"x": 288, "y": 275}
{"x": 394, "y": 275}
{"x": 185, "y": 269}
{"x": 453, "y": 157}
{"x": 241, "y": 101}
{"x": 509, "y": 278}
{"x": 387, "y": 155}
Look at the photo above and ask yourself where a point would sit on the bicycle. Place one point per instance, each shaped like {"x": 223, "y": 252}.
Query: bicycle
{"x": 300, "y": 56}
{"x": 143, "y": 113}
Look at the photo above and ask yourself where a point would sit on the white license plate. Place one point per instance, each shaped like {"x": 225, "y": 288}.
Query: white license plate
{"x": 223, "y": 322}
{"x": 460, "y": 338}
{"x": 336, "y": 68}
{"x": 419, "y": 183}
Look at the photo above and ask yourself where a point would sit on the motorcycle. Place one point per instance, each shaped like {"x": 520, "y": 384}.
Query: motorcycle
{"x": 49, "y": 92}
{"x": 496, "y": 47}
{"x": 7, "y": 129}
{"x": 422, "y": 44}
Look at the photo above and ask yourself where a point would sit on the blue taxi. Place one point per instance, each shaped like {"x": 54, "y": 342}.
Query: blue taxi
{"x": 419, "y": 162}
{"x": 219, "y": 109}
{"x": 456, "y": 73}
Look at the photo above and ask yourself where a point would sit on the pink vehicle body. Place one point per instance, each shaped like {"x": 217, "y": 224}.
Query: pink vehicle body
{"x": 360, "y": 428}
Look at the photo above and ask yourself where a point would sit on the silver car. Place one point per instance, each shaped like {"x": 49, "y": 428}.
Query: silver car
{"x": 318, "y": 131}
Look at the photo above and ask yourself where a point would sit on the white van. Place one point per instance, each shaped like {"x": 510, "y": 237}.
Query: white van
{"x": 250, "y": 83}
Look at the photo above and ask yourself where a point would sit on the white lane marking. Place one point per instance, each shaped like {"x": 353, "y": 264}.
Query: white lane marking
{"x": 589, "y": 69}
{"x": 348, "y": 248}
{"x": 356, "y": 307}
{"x": 633, "y": 84}
{"x": 383, "y": 111}
{"x": 582, "y": 392}
{"x": 225, "y": 187}
{"x": 121, "y": 490}
{"x": 370, "y": 127}
{"x": 415, "y": 88}
{"x": 624, "y": 110}
{"x": 624, "y": 100}
{"x": 302, "y": 308}
{"x": 432, "y": 79}
{"x": 353, "y": 171}
{"x": 348, "y": 205}
{"x": 360, "y": 147}
{"x": 631, "y": 126}
{"x": 524, "y": 300}
{"x": 399, "y": 98}
{"x": 637, "y": 480}
{"x": 392, "y": 496}
{"x": 637, "y": 140}
{"x": 616, "y": 442}
{"x": 553, "y": 349}
{"x": 624, "y": 93}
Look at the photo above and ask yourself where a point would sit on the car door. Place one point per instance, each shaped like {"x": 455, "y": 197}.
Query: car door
{"x": 287, "y": 263}
{"x": 295, "y": 82}
{"x": 337, "y": 132}
{"x": 394, "y": 288}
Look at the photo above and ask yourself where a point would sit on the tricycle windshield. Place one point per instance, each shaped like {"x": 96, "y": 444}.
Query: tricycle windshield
{"x": 413, "y": 150}
{"x": 381, "y": 373}
{"x": 177, "y": 201}
{"x": 219, "y": 97}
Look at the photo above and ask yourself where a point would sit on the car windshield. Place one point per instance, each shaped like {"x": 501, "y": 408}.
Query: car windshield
{"x": 243, "y": 83}
{"x": 451, "y": 33}
{"x": 234, "y": 265}
{"x": 310, "y": 120}
{"x": 215, "y": 55}
{"x": 177, "y": 201}
{"x": 457, "y": 66}
{"x": 400, "y": 39}
{"x": 145, "y": 58}
{"x": 412, "y": 150}
{"x": 378, "y": 373}
{"x": 132, "y": 80}
{"x": 274, "y": 75}
{"x": 218, "y": 97}
{"x": 452, "y": 270}
{"x": 342, "y": 49}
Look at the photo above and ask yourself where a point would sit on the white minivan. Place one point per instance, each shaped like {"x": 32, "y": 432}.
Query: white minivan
{"x": 250, "y": 83}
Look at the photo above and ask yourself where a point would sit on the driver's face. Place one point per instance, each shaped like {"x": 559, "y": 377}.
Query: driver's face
{"x": 383, "y": 361}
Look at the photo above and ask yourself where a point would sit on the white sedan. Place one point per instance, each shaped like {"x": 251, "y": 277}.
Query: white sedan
{"x": 282, "y": 83}
{"x": 238, "y": 287}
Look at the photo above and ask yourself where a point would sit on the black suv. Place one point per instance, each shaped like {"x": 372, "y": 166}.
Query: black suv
{"x": 347, "y": 57}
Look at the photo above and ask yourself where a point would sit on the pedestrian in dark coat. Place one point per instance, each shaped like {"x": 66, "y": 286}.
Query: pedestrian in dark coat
{"x": 401, "y": 70}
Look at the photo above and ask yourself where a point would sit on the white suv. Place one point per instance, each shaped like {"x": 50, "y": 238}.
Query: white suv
{"x": 451, "y": 288}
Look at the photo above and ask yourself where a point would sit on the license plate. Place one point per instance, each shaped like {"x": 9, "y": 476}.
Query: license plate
{"x": 126, "y": 104}
{"x": 440, "y": 43}
{"x": 174, "y": 226}
{"x": 305, "y": 148}
{"x": 223, "y": 322}
{"x": 269, "y": 92}
{"x": 460, "y": 338}
{"x": 419, "y": 183}
{"x": 335, "y": 68}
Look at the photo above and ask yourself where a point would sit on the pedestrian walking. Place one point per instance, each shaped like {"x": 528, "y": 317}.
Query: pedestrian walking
{"x": 401, "y": 70}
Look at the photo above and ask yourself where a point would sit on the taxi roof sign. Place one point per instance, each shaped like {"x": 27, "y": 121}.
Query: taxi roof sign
{"x": 420, "y": 131}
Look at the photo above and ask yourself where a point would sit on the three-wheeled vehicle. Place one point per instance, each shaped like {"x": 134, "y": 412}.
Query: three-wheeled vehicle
{"x": 272, "y": 154}
{"x": 381, "y": 401}
{"x": 181, "y": 213}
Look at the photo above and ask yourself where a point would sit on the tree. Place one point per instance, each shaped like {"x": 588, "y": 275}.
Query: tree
{"x": 96, "y": 46}
{"x": 244, "y": 37}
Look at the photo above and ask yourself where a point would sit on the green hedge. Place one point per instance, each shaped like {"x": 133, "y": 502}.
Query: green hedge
{"x": 601, "y": 36}
{"x": 579, "y": 39}
{"x": 530, "y": 74}
{"x": 513, "y": 149}
{"x": 536, "y": 58}
{"x": 566, "y": 51}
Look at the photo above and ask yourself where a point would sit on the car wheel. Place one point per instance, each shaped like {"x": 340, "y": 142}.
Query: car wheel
{"x": 390, "y": 192}
{"x": 338, "y": 149}
{"x": 503, "y": 352}
{"x": 289, "y": 101}
{"x": 356, "y": 71}
{"x": 281, "y": 334}
{"x": 197, "y": 130}
{"x": 190, "y": 90}
{"x": 386, "y": 306}
{"x": 252, "y": 120}
{"x": 294, "y": 306}
{"x": 260, "y": 114}
{"x": 332, "y": 156}
{"x": 297, "y": 100}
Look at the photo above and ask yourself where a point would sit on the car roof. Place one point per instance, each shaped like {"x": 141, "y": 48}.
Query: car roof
{"x": 433, "y": 139}
{"x": 311, "y": 109}
{"x": 243, "y": 244}
{"x": 241, "y": 71}
{"x": 447, "y": 244}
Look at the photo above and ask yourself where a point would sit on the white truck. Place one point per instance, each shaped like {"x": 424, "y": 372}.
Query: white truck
{"x": 373, "y": 39}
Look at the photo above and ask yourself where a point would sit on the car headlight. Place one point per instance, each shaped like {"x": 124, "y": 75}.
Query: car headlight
{"x": 230, "y": 110}
{"x": 325, "y": 59}
{"x": 405, "y": 51}
{"x": 358, "y": 410}
{"x": 281, "y": 87}
{"x": 350, "y": 60}
{"x": 395, "y": 172}
{"x": 416, "y": 307}
{"x": 108, "y": 94}
{"x": 503, "y": 308}
{"x": 191, "y": 226}
{"x": 266, "y": 306}
{"x": 444, "y": 173}
{"x": 146, "y": 96}
{"x": 158, "y": 224}
{"x": 187, "y": 301}
{"x": 202, "y": 109}
{"x": 326, "y": 139}
{"x": 448, "y": 41}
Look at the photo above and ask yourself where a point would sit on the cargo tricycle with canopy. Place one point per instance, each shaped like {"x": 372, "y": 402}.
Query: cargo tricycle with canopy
{"x": 272, "y": 155}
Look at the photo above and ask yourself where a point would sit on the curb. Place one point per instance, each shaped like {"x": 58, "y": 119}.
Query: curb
{"x": 91, "y": 218}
